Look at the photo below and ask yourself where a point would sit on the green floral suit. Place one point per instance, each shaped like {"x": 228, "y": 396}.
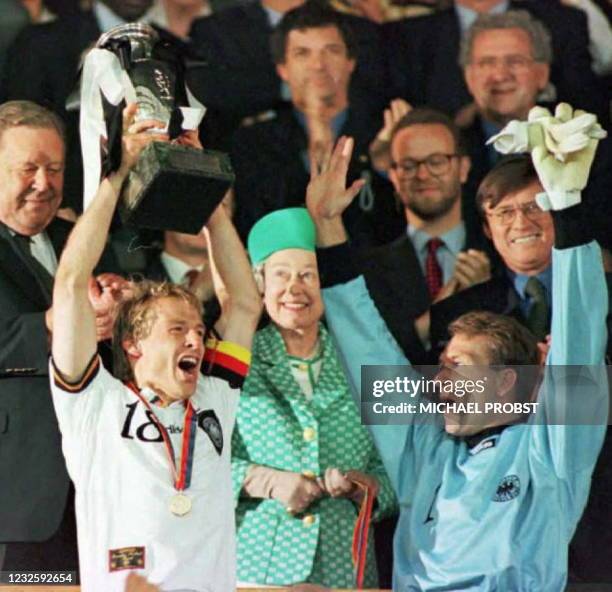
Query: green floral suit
{"x": 277, "y": 426}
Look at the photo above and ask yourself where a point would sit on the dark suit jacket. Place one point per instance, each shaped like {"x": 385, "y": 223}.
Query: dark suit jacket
{"x": 35, "y": 482}
{"x": 423, "y": 53}
{"x": 397, "y": 286}
{"x": 271, "y": 174}
{"x": 41, "y": 66}
{"x": 497, "y": 295}
{"x": 239, "y": 78}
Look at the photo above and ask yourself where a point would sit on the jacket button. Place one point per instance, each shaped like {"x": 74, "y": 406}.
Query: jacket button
{"x": 309, "y": 474}
{"x": 309, "y": 520}
{"x": 309, "y": 434}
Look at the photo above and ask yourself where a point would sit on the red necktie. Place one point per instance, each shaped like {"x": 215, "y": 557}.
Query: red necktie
{"x": 433, "y": 271}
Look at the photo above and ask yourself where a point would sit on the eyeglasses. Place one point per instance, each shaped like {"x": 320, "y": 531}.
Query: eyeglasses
{"x": 436, "y": 164}
{"x": 506, "y": 216}
{"x": 514, "y": 63}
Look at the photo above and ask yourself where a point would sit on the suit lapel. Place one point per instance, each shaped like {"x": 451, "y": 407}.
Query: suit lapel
{"x": 16, "y": 267}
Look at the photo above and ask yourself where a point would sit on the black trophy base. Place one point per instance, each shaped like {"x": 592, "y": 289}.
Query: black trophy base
{"x": 175, "y": 188}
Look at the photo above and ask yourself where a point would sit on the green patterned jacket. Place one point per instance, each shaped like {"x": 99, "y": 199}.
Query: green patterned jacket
{"x": 278, "y": 427}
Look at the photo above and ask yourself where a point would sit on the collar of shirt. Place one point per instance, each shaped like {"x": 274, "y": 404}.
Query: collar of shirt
{"x": 274, "y": 16}
{"x": 155, "y": 401}
{"x": 176, "y": 268}
{"x": 156, "y": 15}
{"x": 42, "y": 250}
{"x": 106, "y": 18}
{"x": 484, "y": 440}
{"x": 454, "y": 241}
{"x": 467, "y": 17}
{"x": 519, "y": 281}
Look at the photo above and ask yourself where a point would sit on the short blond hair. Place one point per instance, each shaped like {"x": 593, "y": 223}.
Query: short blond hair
{"x": 137, "y": 314}
{"x": 29, "y": 114}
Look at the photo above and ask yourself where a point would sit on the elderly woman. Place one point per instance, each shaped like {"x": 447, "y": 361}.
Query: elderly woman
{"x": 299, "y": 450}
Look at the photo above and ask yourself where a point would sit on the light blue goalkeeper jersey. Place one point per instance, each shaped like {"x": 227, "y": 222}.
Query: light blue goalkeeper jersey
{"x": 499, "y": 516}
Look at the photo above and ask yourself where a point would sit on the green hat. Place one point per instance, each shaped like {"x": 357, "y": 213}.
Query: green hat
{"x": 291, "y": 228}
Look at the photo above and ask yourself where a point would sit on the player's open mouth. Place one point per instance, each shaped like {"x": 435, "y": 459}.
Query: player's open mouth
{"x": 189, "y": 365}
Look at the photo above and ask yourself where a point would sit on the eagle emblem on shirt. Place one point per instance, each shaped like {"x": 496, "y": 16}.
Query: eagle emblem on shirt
{"x": 509, "y": 488}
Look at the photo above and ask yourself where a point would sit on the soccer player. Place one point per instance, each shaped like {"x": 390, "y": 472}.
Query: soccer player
{"x": 149, "y": 451}
{"x": 494, "y": 506}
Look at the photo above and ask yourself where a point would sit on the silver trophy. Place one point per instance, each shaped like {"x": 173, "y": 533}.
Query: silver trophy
{"x": 172, "y": 187}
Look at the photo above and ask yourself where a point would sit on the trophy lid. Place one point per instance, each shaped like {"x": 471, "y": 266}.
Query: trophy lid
{"x": 142, "y": 39}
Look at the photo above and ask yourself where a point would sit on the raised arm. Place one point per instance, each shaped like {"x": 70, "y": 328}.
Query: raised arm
{"x": 360, "y": 333}
{"x": 74, "y": 323}
{"x": 242, "y": 308}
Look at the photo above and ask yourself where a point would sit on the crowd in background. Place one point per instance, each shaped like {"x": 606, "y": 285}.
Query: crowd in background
{"x": 439, "y": 225}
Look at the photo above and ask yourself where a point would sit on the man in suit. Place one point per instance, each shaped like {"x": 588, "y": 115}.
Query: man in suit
{"x": 506, "y": 59}
{"x": 437, "y": 256}
{"x": 522, "y": 235}
{"x": 423, "y": 54}
{"x": 36, "y": 499}
{"x": 239, "y": 78}
{"x": 42, "y": 65}
{"x": 315, "y": 56}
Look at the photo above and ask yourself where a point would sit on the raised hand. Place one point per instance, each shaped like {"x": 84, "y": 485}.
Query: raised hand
{"x": 396, "y": 110}
{"x": 380, "y": 148}
{"x": 471, "y": 267}
{"x": 137, "y": 135}
{"x": 318, "y": 121}
{"x": 327, "y": 195}
{"x": 189, "y": 138}
{"x": 563, "y": 149}
{"x": 105, "y": 294}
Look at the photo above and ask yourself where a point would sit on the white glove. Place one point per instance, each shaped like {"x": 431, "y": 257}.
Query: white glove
{"x": 562, "y": 148}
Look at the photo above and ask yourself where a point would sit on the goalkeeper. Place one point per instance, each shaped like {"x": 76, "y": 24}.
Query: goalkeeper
{"x": 494, "y": 506}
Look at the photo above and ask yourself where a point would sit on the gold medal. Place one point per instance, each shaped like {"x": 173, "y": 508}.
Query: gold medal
{"x": 180, "y": 504}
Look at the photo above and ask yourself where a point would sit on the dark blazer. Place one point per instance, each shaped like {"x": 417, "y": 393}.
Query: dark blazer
{"x": 496, "y": 295}
{"x": 399, "y": 290}
{"x": 41, "y": 66}
{"x": 239, "y": 78}
{"x": 36, "y": 502}
{"x": 35, "y": 483}
{"x": 271, "y": 174}
{"x": 423, "y": 53}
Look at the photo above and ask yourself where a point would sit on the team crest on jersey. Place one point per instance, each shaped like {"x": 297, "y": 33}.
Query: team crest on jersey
{"x": 126, "y": 558}
{"x": 208, "y": 421}
{"x": 509, "y": 488}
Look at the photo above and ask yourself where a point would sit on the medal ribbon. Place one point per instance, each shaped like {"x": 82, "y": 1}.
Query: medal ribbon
{"x": 360, "y": 534}
{"x": 182, "y": 477}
